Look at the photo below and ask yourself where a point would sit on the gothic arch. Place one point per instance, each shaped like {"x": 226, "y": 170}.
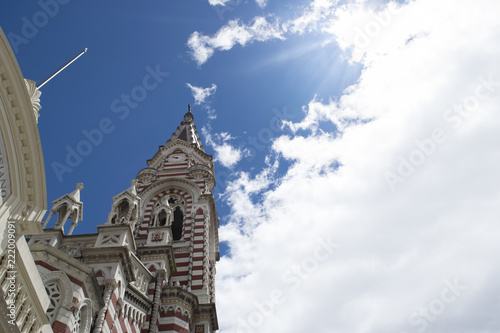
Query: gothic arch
{"x": 160, "y": 186}
{"x": 168, "y": 188}
{"x": 104, "y": 271}
{"x": 61, "y": 212}
{"x": 59, "y": 289}
{"x": 161, "y": 214}
{"x": 178, "y": 222}
{"x": 120, "y": 211}
{"x": 83, "y": 316}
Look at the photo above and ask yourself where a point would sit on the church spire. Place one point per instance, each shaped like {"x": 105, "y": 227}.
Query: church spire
{"x": 187, "y": 131}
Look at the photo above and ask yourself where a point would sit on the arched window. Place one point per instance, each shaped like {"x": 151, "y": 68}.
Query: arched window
{"x": 162, "y": 218}
{"x": 78, "y": 322}
{"x": 134, "y": 212}
{"x": 177, "y": 223}
{"x": 122, "y": 209}
{"x": 61, "y": 213}
{"x": 83, "y": 317}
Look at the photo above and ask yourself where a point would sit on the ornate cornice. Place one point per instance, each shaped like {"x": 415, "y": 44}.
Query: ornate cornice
{"x": 135, "y": 297}
{"x": 207, "y": 310}
{"x": 118, "y": 254}
{"x": 178, "y": 295}
{"x": 147, "y": 175}
{"x": 158, "y": 252}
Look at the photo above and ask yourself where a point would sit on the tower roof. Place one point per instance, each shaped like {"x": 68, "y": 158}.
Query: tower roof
{"x": 187, "y": 131}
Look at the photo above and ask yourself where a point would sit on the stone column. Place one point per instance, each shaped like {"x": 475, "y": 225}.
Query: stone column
{"x": 108, "y": 290}
{"x": 48, "y": 218}
{"x": 160, "y": 277}
{"x": 73, "y": 226}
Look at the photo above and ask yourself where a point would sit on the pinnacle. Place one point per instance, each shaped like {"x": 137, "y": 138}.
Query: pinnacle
{"x": 76, "y": 193}
{"x": 187, "y": 131}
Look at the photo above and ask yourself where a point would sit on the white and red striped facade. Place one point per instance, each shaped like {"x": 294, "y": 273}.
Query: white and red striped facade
{"x": 151, "y": 266}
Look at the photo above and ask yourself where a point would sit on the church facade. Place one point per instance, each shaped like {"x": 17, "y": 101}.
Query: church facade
{"x": 149, "y": 268}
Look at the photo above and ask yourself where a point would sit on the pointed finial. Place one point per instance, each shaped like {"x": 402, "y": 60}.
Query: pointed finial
{"x": 133, "y": 184}
{"x": 76, "y": 192}
{"x": 189, "y": 107}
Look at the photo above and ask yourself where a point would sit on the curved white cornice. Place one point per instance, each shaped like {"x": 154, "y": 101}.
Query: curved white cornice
{"x": 28, "y": 201}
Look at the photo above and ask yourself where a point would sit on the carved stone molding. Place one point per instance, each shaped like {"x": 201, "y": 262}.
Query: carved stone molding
{"x": 34, "y": 95}
{"x": 64, "y": 283}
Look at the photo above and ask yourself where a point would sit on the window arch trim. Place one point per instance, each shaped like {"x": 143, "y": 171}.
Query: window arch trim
{"x": 65, "y": 288}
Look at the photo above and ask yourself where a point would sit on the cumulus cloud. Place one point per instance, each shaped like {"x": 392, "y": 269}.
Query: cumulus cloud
{"x": 313, "y": 18}
{"x": 365, "y": 31}
{"x": 389, "y": 223}
{"x": 225, "y": 153}
{"x": 317, "y": 112}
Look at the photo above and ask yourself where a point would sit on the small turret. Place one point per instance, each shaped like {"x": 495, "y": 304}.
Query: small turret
{"x": 126, "y": 206}
{"x": 67, "y": 207}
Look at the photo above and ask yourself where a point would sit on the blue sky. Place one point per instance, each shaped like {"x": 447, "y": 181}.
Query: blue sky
{"x": 125, "y": 38}
{"x": 374, "y": 203}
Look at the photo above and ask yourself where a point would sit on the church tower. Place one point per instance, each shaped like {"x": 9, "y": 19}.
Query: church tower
{"x": 151, "y": 266}
{"x": 177, "y": 232}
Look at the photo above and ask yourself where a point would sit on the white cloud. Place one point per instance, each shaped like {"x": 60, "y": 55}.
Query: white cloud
{"x": 261, "y": 3}
{"x": 317, "y": 112}
{"x": 200, "y": 98}
{"x": 218, "y": 2}
{"x": 203, "y": 47}
{"x": 313, "y": 17}
{"x": 225, "y": 154}
{"x": 201, "y": 94}
{"x": 398, "y": 250}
